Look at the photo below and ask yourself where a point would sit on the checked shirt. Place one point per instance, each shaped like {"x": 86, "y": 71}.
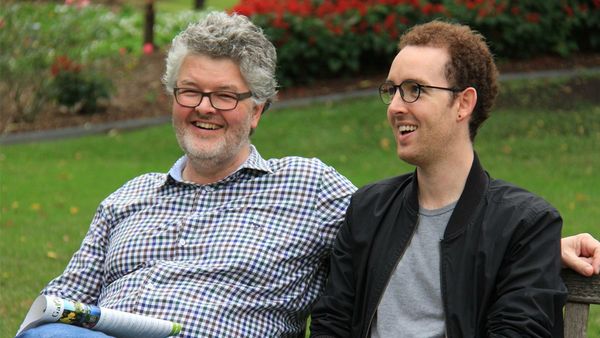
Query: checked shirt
{"x": 243, "y": 257}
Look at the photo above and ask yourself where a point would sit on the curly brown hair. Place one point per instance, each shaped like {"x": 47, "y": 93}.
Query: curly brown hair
{"x": 471, "y": 62}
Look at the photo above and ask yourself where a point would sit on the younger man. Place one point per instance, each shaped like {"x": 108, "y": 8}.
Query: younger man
{"x": 446, "y": 250}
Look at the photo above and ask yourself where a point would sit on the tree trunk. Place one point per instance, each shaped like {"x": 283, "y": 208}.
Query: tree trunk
{"x": 198, "y": 4}
{"x": 149, "y": 23}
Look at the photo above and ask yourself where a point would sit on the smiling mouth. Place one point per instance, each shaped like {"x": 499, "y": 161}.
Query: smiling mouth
{"x": 406, "y": 129}
{"x": 205, "y": 125}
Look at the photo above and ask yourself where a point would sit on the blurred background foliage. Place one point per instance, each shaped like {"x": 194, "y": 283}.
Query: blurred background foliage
{"x": 315, "y": 39}
{"x": 324, "y": 38}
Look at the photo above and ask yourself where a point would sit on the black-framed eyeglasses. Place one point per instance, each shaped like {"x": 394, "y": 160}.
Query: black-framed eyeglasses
{"x": 221, "y": 100}
{"x": 409, "y": 91}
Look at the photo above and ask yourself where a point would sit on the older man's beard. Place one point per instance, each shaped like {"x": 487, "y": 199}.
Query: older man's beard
{"x": 218, "y": 153}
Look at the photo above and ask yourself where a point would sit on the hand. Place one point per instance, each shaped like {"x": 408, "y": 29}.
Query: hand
{"x": 581, "y": 253}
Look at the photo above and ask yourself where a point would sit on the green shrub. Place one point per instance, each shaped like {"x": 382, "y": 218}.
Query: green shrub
{"x": 33, "y": 35}
{"x": 75, "y": 88}
{"x": 101, "y": 40}
{"x": 315, "y": 38}
{"x": 324, "y": 38}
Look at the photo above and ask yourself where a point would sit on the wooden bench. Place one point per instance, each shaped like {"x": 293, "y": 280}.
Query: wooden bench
{"x": 583, "y": 291}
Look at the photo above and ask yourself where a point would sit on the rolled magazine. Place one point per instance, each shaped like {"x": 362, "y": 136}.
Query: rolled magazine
{"x": 52, "y": 309}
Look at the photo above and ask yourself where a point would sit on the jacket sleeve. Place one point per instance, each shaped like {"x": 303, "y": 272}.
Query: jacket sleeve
{"x": 332, "y": 315}
{"x": 530, "y": 292}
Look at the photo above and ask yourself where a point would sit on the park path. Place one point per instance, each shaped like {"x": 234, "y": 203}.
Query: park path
{"x": 46, "y": 135}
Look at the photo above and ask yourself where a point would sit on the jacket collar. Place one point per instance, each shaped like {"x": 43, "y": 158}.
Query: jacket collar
{"x": 477, "y": 184}
{"x": 475, "y": 188}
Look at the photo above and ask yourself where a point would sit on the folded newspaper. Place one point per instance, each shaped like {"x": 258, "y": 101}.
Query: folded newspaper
{"x": 51, "y": 309}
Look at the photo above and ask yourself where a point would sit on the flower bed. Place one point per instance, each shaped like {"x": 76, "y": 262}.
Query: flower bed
{"x": 96, "y": 46}
{"x": 324, "y": 38}
{"x": 67, "y": 56}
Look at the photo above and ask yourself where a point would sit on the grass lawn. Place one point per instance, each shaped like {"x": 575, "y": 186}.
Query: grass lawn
{"x": 49, "y": 191}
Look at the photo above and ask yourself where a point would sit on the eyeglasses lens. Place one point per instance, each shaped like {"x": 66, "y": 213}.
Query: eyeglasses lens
{"x": 410, "y": 91}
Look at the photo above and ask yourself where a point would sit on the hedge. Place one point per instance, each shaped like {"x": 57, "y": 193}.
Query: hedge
{"x": 328, "y": 38}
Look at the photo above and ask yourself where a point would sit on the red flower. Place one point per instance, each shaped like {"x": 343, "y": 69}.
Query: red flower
{"x": 378, "y": 28}
{"x": 500, "y": 8}
{"x": 335, "y": 29}
{"x": 430, "y": 9}
{"x": 342, "y": 7}
{"x": 305, "y": 8}
{"x": 279, "y": 22}
{"x": 389, "y": 21}
{"x": 361, "y": 7}
{"x": 83, "y": 3}
{"x": 148, "y": 48}
{"x": 427, "y": 9}
{"x": 62, "y": 63}
{"x": 264, "y": 7}
{"x": 470, "y": 4}
{"x": 325, "y": 8}
{"x": 568, "y": 10}
{"x": 533, "y": 17}
{"x": 54, "y": 70}
{"x": 515, "y": 10}
{"x": 242, "y": 9}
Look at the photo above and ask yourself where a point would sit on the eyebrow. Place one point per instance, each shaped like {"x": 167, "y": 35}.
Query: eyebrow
{"x": 222, "y": 87}
{"x": 419, "y": 81}
{"x": 394, "y": 82}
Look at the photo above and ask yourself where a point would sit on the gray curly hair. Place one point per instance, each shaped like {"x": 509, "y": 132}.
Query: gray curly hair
{"x": 230, "y": 36}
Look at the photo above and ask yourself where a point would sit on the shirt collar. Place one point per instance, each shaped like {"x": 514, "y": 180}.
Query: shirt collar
{"x": 253, "y": 162}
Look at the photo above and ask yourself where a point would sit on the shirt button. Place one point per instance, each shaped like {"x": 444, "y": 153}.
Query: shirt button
{"x": 182, "y": 242}
{"x": 150, "y": 286}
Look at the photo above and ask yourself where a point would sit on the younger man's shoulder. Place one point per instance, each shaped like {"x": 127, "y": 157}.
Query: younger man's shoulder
{"x": 510, "y": 195}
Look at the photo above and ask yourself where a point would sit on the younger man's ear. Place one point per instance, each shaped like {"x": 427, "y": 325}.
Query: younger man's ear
{"x": 467, "y": 100}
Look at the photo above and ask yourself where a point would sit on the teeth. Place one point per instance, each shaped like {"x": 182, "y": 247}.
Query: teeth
{"x": 407, "y": 128}
{"x": 205, "y": 125}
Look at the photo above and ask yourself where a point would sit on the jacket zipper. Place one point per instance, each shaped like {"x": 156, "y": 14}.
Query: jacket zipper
{"x": 390, "y": 277}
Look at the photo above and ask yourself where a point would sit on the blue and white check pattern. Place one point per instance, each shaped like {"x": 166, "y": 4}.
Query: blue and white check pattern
{"x": 243, "y": 257}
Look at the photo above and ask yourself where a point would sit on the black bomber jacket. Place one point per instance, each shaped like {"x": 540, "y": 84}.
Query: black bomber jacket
{"x": 500, "y": 260}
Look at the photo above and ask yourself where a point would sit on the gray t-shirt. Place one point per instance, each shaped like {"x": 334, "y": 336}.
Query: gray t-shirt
{"x": 412, "y": 302}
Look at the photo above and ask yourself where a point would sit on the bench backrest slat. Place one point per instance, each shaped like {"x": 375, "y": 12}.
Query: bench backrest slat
{"x": 583, "y": 291}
